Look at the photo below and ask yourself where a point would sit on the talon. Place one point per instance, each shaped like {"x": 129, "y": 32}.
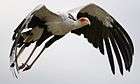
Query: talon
{"x": 22, "y": 66}
{"x": 27, "y": 68}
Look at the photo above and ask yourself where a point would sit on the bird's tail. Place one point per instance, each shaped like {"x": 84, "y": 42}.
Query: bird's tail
{"x": 20, "y": 41}
{"x": 13, "y": 64}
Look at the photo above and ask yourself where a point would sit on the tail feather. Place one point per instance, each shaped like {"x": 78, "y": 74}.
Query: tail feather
{"x": 13, "y": 64}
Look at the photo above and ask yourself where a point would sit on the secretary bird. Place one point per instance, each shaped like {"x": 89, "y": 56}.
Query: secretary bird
{"x": 97, "y": 26}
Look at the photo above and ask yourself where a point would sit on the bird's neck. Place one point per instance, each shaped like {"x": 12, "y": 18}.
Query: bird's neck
{"x": 76, "y": 25}
{"x": 72, "y": 23}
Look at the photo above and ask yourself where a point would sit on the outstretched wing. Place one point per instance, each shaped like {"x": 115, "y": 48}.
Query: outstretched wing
{"x": 104, "y": 29}
{"x": 36, "y": 22}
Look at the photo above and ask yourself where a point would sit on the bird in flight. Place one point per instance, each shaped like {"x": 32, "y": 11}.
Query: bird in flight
{"x": 97, "y": 26}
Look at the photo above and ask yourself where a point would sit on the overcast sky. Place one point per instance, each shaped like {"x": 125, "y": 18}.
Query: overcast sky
{"x": 71, "y": 60}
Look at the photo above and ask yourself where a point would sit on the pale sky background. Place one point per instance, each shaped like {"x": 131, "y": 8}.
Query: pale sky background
{"x": 71, "y": 60}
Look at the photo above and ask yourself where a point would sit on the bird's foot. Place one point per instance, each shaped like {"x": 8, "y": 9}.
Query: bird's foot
{"x": 27, "y": 68}
{"x": 22, "y": 66}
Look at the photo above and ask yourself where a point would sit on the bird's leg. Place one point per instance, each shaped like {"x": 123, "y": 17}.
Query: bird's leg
{"x": 20, "y": 51}
{"x": 23, "y": 64}
{"x": 51, "y": 41}
{"x": 44, "y": 36}
{"x": 29, "y": 66}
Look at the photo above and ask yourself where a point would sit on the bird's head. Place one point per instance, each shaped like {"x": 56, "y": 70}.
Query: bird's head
{"x": 83, "y": 21}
